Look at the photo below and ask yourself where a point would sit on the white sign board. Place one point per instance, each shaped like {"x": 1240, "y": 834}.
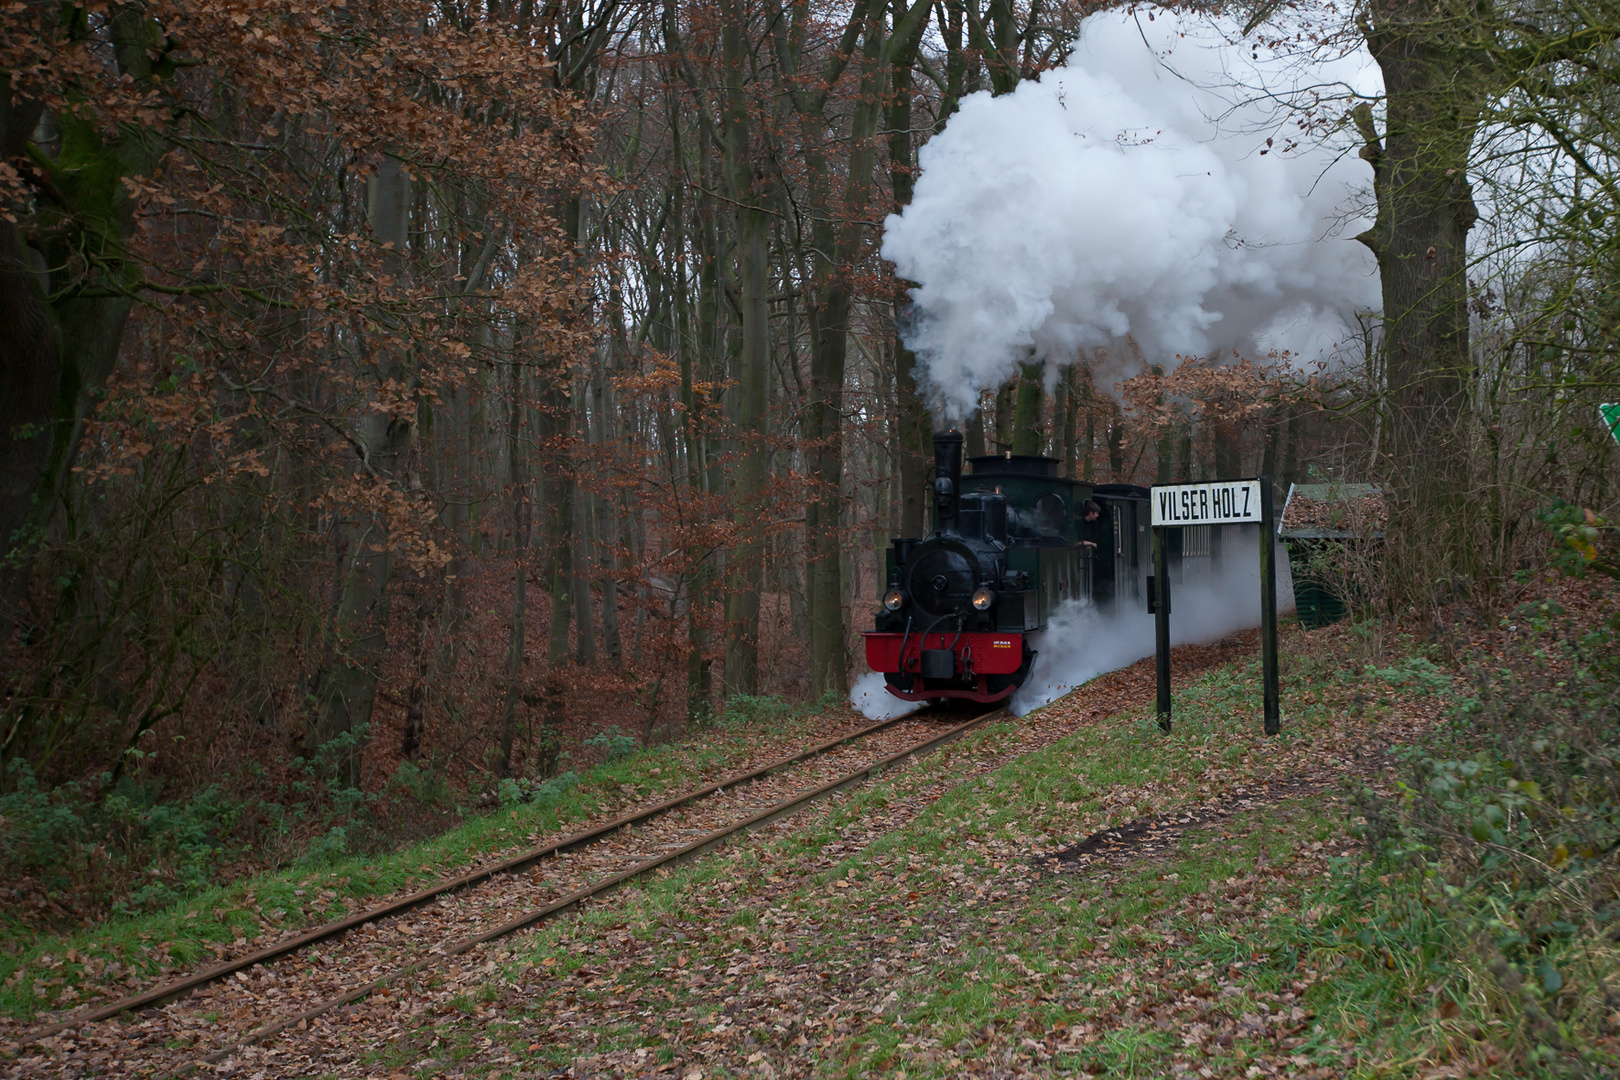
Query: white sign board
{"x": 1220, "y": 502}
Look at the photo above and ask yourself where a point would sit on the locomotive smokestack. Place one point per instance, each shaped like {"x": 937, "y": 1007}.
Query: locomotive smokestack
{"x": 947, "y": 478}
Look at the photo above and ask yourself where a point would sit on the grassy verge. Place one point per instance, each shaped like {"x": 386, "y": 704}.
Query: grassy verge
{"x": 943, "y": 948}
{"x": 43, "y": 973}
{"x": 1479, "y": 934}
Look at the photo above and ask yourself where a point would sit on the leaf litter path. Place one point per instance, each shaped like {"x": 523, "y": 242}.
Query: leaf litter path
{"x": 1160, "y": 834}
{"x": 338, "y": 1043}
{"x": 219, "y": 1015}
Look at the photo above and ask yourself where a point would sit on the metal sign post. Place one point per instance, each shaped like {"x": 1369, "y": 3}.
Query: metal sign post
{"x": 1268, "y": 607}
{"x": 1218, "y": 502}
{"x": 1159, "y": 597}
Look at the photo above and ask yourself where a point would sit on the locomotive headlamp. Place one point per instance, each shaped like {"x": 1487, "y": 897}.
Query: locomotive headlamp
{"x": 983, "y": 599}
{"x": 893, "y": 599}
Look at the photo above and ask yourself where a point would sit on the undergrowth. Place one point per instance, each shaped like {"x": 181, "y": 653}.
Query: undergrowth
{"x": 201, "y": 903}
{"x": 117, "y": 847}
{"x": 1485, "y": 918}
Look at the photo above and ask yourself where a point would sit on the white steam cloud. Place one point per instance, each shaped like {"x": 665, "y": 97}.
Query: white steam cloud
{"x": 1216, "y": 598}
{"x": 1157, "y": 189}
{"x": 871, "y": 698}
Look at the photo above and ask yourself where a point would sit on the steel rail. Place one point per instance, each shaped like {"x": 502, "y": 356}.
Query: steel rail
{"x": 179, "y": 988}
{"x": 699, "y": 846}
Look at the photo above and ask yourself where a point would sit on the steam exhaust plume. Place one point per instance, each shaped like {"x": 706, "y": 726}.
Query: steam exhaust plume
{"x": 871, "y": 699}
{"x": 1158, "y": 189}
{"x": 1215, "y": 598}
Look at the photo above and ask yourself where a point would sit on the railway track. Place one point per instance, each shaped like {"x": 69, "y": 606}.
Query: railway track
{"x": 219, "y": 1010}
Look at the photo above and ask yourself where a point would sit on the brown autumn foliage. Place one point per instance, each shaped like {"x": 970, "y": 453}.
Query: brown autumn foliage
{"x": 447, "y": 384}
{"x": 307, "y": 237}
{"x": 355, "y": 399}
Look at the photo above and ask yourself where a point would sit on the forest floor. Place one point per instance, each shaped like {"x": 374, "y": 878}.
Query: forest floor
{"x": 1071, "y": 893}
{"x": 1114, "y": 903}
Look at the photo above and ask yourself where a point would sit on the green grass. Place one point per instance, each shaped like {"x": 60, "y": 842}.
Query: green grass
{"x": 980, "y": 951}
{"x": 42, "y": 973}
{"x": 941, "y": 948}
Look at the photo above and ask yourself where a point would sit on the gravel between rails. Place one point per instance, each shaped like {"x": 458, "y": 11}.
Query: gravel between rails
{"x": 182, "y": 1036}
{"x": 219, "y": 1015}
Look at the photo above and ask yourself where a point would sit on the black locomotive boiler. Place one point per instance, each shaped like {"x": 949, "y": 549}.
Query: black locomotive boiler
{"x": 1011, "y": 541}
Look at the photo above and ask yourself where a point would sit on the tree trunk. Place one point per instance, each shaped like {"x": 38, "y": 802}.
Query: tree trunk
{"x": 1004, "y": 418}
{"x": 836, "y": 253}
{"x": 745, "y": 560}
{"x": 55, "y": 355}
{"x": 517, "y": 638}
{"x": 1116, "y": 446}
{"x": 584, "y": 545}
{"x": 1268, "y": 453}
{"x": 347, "y": 684}
{"x": 1167, "y": 450}
{"x": 1292, "y": 438}
{"x": 914, "y": 427}
{"x": 975, "y": 444}
{"x": 1228, "y": 437}
{"x": 30, "y": 368}
{"x": 1090, "y": 444}
{"x": 560, "y": 521}
{"x": 1433, "y": 85}
{"x": 605, "y": 408}
{"x": 1067, "y": 407}
{"x": 1027, "y": 436}
{"x": 428, "y": 602}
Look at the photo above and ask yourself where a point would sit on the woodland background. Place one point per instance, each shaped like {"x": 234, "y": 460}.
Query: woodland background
{"x": 407, "y": 402}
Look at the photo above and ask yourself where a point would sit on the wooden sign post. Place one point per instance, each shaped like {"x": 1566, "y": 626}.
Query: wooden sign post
{"x": 1218, "y": 502}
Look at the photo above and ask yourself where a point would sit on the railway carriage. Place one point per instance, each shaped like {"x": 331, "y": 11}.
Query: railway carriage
{"x": 1011, "y": 541}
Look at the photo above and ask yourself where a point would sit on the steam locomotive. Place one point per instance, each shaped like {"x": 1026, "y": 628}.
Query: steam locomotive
{"x": 1011, "y": 541}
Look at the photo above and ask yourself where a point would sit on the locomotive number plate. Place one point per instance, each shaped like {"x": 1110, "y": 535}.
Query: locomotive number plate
{"x": 1220, "y": 502}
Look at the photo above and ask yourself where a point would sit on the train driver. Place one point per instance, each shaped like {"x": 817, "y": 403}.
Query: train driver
{"x": 1096, "y": 541}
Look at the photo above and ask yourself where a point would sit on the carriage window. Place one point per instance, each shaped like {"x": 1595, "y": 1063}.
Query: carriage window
{"x": 1050, "y": 515}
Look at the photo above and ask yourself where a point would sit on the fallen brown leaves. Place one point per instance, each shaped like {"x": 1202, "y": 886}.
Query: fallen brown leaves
{"x": 1360, "y": 514}
{"x": 827, "y": 945}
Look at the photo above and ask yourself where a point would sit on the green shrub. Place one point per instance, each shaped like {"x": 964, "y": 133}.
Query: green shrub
{"x": 1493, "y": 876}
{"x": 546, "y": 794}
{"x": 327, "y": 848}
{"x": 614, "y": 744}
{"x": 76, "y": 836}
{"x": 425, "y": 786}
{"x": 747, "y": 710}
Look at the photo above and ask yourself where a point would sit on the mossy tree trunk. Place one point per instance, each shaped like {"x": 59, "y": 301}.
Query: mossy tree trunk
{"x": 914, "y": 425}
{"x": 66, "y": 290}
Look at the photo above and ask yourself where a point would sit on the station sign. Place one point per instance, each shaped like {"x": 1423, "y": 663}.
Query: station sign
{"x": 1215, "y": 502}
{"x": 1219, "y": 502}
{"x": 1610, "y": 411}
